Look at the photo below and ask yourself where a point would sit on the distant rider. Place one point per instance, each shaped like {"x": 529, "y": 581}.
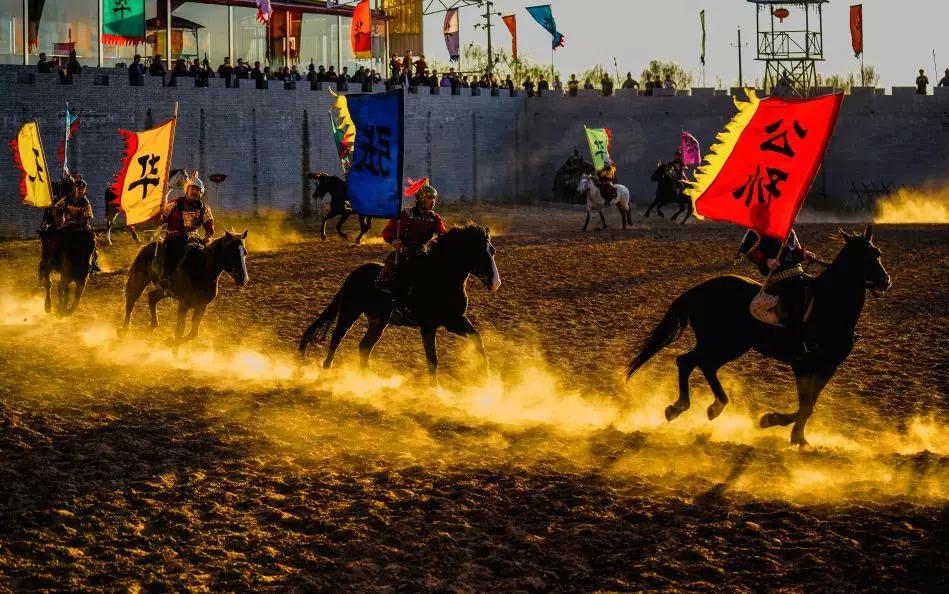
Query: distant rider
{"x": 73, "y": 212}
{"x": 183, "y": 217}
{"x": 607, "y": 180}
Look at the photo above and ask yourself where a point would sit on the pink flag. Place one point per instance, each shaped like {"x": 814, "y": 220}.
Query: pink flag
{"x": 264, "y": 11}
{"x": 691, "y": 151}
{"x": 451, "y": 34}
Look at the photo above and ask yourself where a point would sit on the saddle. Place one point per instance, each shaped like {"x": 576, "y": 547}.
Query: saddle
{"x": 608, "y": 191}
{"x": 767, "y": 308}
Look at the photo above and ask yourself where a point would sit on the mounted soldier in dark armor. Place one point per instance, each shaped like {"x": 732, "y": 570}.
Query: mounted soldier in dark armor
{"x": 786, "y": 283}
{"x": 71, "y": 213}
{"x": 183, "y": 218}
{"x": 410, "y": 235}
{"x": 606, "y": 178}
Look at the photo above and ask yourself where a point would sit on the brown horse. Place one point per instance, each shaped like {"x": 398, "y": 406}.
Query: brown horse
{"x": 194, "y": 283}
{"x": 718, "y": 311}
{"x": 72, "y": 251}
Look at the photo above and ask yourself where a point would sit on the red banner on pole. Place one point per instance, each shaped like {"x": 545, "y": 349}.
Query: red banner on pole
{"x": 511, "y": 22}
{"x": 856, "y": 28}
{"x": 761, "y": 170}
{"x": 361, "y": 33}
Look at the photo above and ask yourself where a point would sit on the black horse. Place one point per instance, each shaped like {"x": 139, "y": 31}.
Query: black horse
{"x": 724, "y": 330}
{"x": 669, "y": 191}
{"x": 437, "y": 296}
{"x": 71, "y": 251}
{"x": 194, "y": 284}
{"x": 339, "y": 204}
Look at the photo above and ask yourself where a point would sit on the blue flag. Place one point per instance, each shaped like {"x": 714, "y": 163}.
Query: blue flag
{"x": 545, "y": 16}
{"x": 374, "y": 182}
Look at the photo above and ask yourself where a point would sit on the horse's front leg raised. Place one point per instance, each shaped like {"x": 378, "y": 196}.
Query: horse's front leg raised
{"x": 465, "y": 328}
{"x": 431, "y": 355}
{"x": 339, "y": 225}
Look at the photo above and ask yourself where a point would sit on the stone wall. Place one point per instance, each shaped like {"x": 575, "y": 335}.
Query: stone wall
{"x": 474, "y": 148}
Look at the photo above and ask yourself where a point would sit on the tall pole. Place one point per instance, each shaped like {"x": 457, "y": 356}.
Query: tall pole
{"x": 487, "y": 15}
{"x": 741, "y": 79}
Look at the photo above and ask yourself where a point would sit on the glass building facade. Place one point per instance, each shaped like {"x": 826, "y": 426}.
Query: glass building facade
{"x": 299, "y": 32}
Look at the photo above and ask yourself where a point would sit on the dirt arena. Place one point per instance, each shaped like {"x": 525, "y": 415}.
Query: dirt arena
{"x": 233, "y": 467}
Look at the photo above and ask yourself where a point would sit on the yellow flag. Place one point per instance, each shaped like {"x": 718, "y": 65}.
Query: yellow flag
{"x": 35, "y": 187}
{"x": 142, "y": 183}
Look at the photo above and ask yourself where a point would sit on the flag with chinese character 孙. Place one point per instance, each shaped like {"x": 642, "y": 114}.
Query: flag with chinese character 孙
{"x": 545, "y": 16}
{"x": 759, "y": 173}
{"x": 601, "y": 145}
{"x": 35, "y": 186}
{"x": 360, "y": 34}
{"x": 452, "y": 39}
{"x": 140, "y": 185}
{"x": 123, "y": 22}
{"x": 690, "y": 149}
{"x": 374, "y": 182}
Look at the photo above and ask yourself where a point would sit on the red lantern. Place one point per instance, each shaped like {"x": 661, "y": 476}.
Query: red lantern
{"x": 782, "y": 13}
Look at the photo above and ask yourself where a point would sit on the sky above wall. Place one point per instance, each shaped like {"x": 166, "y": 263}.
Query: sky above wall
{"x": 899, "y": 36}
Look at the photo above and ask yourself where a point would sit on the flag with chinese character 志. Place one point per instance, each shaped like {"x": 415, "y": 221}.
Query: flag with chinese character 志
{"x": 123, "y": 22}
{"x": 601, "y": 145}
{"x": 544, "y": 15}
{"x": 360, "y": 35}
{"x": 374, "y": 183}
{"x": 452, "y": 36}
{"x": 141, "y": 184}
{"x": 690, "y": 149}
{"x": 511, "y": 22}
{"x": 856, "y": 28}
{"x": 28, "y": 155}
{"x": 759, "y": 173}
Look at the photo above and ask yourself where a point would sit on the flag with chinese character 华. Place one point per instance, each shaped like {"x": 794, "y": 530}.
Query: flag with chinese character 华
{"x": 361, "y": 32}
{"x": 123, "y": 22}
{"x": 141, "y": 184}
{"x": 511, "y": 22}
{"x": 601, "y": 145}
{"x": 759, "y": 173}
{"x": 374, "y": 183}
{"x": 35, "y": 186}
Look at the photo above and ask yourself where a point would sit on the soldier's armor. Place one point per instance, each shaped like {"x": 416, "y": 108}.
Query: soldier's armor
{"x": 73, "y": 213}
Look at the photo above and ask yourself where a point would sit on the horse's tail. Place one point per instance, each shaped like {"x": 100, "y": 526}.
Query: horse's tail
{"x": 321, "y": 325}
{"x": 669, "y": 329}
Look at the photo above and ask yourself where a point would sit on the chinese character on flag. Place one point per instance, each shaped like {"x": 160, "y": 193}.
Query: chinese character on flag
{"x": 759, "y": 173}
{"x": 141, "y": 184}
{"x": 35, "y": 187}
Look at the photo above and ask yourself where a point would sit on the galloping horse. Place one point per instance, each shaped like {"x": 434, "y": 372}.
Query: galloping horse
{"x": 339, "y": 204}
{"x": 437, "y": 296}
{"x": 595, "y": 202}
{"x": 194, "y": 283}
{"x": 724, "y": 330}
{"x": 669, "y": 191}
{"x": 73, "y": 260}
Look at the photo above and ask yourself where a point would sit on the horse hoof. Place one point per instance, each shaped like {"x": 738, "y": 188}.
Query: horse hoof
{"x": 767, "y": 420}
{"x": 715, "y": 409}
{"x": 122, "y": 332}
{"x": 672, "y": 411}
{"x": 799, "y": 441}
{"x": 48, "y": 307}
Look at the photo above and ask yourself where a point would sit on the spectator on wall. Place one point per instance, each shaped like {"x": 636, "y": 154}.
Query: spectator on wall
{"x": 420, "y": 65}
{"x": 137, "y": 72}
{"x": 331, "y": 75}
{"x": 542, "y": 85}
{"x": 242, "y": 70}
{"x": 395, "y": 68}
{"x": 156, "y": 67}
{"x": 446, "y": 81}
{"x": 630, "y": 82}
{"x": 407, "y": 67}
{"x": 668, "y": 83}
{"x": 650, "y": 85}
{"x": 528, "y": 86}
{"x": 45, "y": 66}
{"x": 226, "y": 71}
{"x": 573, "y": 85}
{"x": 344, "y": 76}
{"x": 944, "y": 81}
{"x": 295, "y": 73}
{"x": 921, "y": 82}
{"x": 558, "y": 84}
{"x": 73, "y": 67}
{"x": 588, "y": 84}
{"x": 606, "y": 84}
{"x": 311, "y": 73}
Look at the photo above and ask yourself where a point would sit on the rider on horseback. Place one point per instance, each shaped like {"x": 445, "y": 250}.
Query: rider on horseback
{"x": 73, "y": 212}
{"x": 787, "y": 280}
{"x": 606, "y": 177}
{"x": 183, "y": 217}
{"x": 410, "y": 235}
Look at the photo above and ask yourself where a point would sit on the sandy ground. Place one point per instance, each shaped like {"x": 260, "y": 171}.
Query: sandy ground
{"x": 234, "y": 467}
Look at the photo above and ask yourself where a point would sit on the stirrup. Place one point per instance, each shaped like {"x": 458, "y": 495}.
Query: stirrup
{"x": 400, "y": 316}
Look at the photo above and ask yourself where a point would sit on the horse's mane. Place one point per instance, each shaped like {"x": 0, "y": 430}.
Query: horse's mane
{"x": 467, "y": 232}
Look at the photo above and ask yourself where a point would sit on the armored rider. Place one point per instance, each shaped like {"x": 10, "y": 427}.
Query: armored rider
{"x": 73, "y": 212}
{"x": 183, "y": 217}
{"x": 607, "y": 180}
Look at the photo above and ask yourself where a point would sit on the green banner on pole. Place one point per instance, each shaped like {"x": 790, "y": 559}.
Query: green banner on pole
{"x": 123, "y": 22}
{"x": 601, "y": 145}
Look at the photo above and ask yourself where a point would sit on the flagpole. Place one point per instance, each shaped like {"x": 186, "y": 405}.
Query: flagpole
{"x": 66, "y": 142}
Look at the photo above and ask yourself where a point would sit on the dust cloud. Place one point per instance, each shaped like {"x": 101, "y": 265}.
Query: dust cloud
{"x": 914, "y": 206}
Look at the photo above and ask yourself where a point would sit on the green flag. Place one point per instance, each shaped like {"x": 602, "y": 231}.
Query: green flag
{"x": 702, "y": 19}
{"x": 601, "y": 143}
{"x": 123, "y": 22}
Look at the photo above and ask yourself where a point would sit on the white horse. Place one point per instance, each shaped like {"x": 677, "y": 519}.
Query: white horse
{"x": 595, "y": 202}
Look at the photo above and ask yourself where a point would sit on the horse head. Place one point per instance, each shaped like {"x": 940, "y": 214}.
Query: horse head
{"x": 470, "y": 247}
{"x": 861, "y": 257}
{"x": 230, "y": 252}
{"x": 586, "y": 184}
{"x": 323, "y": 183}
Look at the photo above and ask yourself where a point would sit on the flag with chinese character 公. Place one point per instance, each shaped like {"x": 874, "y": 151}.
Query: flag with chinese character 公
{"x": 360, "y": 32}
{"x": 544, "y": 16}
{"x": 141, "y": 183}
{"x": 690, "y": 149}
{"x": 374, "y": 183}
{"x": 28, "y": 155}
{"x": 601, "y": 145}
{"x": 759, "y": 172}
{"x": 123, "y": 22}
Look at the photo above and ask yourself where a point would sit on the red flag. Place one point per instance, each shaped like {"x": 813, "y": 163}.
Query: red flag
{"x": 759, "y": 173}
{"x": 856, "y": 28}
{"x": 511, "y": 22}
{"x": 361, "y": 33}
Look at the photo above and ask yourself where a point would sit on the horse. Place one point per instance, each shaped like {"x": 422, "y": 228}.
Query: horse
{"x": 194, "y": 283}
{"x": 595, "y": 202}
{"x": 718, "y": 312}
{"x": 669, "y": 191}
{"x": 72, "y": 258}
{"x": 437, "y": 296}
{"x": 339, "y": 205}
